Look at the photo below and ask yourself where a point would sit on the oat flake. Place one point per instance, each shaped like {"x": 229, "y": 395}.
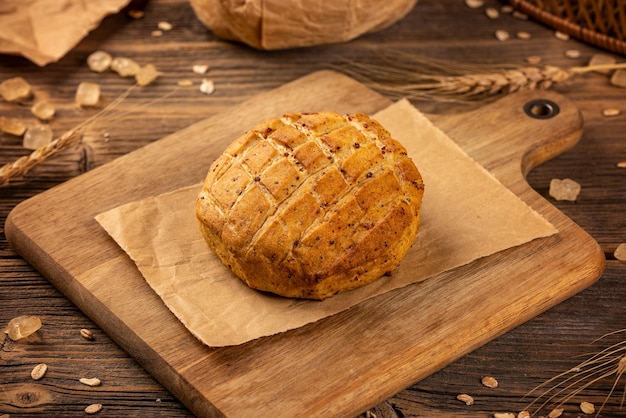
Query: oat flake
{"x": 620, "y": 252}
{"x": 474, "y": 4}
{"x": 572, "y": 53}
{"x": 587, "y": 408}
{"x": 200, "y": 69}
{"x": 502, "y": 35}
{"x": 165, "y": 26}
{"x": 465, "y": 398}
{"x": 489, "y": 382}
{"x": 611, "y": 111}
{"x": 533, "y": 59}
{"x": 556, "y": 413}
{"x": 39, "y": 371}
{"x": 492, "y": 13}
{"x": 561, "y": 36}
{"x": 93, "y": 408}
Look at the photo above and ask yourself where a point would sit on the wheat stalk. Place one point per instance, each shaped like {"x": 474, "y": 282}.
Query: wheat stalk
{"x": 24, "y": 164}
{"x": 420, "y": 78}
{"x": 560, "y": 389}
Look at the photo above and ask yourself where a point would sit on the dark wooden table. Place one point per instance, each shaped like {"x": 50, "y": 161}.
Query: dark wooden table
{"x": 523, "y": 358}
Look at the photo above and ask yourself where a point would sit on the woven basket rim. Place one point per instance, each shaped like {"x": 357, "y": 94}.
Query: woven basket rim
{"x": 571, "y": 28}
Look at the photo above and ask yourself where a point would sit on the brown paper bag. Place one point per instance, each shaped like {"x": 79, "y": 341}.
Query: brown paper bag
{"x": 279, "y": 24}
{"x": 45, "y": 30}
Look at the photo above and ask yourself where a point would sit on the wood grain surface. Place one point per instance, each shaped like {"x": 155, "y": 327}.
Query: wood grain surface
{"x": 323, "y": 368}
{"x": 521, "y": 359}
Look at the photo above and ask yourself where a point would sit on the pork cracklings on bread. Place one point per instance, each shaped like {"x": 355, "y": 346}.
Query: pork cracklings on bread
{"x": 311, "y": 204}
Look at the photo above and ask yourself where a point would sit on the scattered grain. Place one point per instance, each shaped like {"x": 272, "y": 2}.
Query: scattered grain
{"x": 207, "y": 86}
{"x": 492, "y": 13}
{"x": 474, "y": 4}
{"x": 566, "y": 189}
{"x": 22, "y": 326}
{"x": 523, "y": 414}
{"x": 200, "y": 69}
{"x": 15, "y": 89}
{"x": 136, "y": 14}
{"x": 92, "y": 381}
{"x": 99, "y": 61}
{"x": 555, "y": 413}
{"x": 533, "y": 59}
{"x": 87, "y": 94}
{"x": 37, "y": 136}
{"x": 125, "y": 67}
{"x": 504, "y": 415}
{"x": 561, "y": 36}
{"x": 611, "y": 111}
{"x": 146, "y": 75}
{"x": 164, "y": 26}
{"x": 502, "y": 35}
{"x": 184, "y": 83}
{"x": 156, "y": 33}
{"x": 621, "y": 164}
{"x": 507, "y": 8}
{"x": 519, "y": 15}
{"x": 39, "y": 371}
{"x": 572, "y": 53}
{"x": 465, "y": 398}
{"x": 620, "y": 254}
{"x": 93, "y": 408}
{"x": 524, "y": 35}
{"x": 602, "y": 59}
{"x": 43, "y": 110}
{"x": 587, "y": 408}
{"x": 12, "y": 126}
{"x": 619, "y": 78}
{"x": 489, "y": 381}
{"x": 87, "y": 333}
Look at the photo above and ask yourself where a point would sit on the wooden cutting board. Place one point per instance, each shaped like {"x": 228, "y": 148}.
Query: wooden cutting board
{"x": 346, "y": 363}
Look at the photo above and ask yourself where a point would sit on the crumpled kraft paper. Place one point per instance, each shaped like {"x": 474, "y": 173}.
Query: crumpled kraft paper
{"x": 466, "y": 214}
{"x": 279, "y": 24}
{"x": 45, "y": 30}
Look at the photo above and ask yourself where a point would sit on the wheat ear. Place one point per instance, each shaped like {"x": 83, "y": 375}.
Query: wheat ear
{"x": 611, "y": 361}
{"x": 426, "y": 79}
{"x": 24, "y": 164}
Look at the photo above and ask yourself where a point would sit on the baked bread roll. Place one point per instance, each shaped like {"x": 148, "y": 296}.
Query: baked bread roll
{"x": 311, "y": 204}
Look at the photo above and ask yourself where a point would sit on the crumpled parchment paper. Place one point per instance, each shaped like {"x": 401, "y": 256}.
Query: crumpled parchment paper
{"x": 45, "y": 30}
{"x": 466, "y": 214}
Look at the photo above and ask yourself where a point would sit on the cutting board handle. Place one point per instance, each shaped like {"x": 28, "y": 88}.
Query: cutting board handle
{"x": 523, "y": 129}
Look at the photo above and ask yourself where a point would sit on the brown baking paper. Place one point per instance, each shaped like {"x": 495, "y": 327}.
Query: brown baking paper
{"x": 466, "y": 214}
{"x": 45, "y": 30}
{"x": 279, "y": 24}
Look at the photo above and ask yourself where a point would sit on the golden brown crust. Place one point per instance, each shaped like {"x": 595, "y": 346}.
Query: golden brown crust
{"x": 311, "y": 204}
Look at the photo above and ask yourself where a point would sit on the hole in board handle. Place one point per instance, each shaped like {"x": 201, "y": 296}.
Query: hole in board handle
{"x": 541, "y": 109}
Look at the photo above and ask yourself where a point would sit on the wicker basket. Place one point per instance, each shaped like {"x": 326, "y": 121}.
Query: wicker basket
{"x": 598, "y": 22}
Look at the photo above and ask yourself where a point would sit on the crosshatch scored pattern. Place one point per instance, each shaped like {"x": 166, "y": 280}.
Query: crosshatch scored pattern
{"x": 316, "y": 194}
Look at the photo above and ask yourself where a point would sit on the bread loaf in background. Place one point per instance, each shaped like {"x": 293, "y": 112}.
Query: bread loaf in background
{"x": 280, "y": 24}
{"x": 311, "y": 204}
